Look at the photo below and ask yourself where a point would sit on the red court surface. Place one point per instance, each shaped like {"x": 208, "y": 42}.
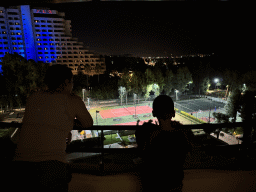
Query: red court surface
{"x": 125, "y": 111}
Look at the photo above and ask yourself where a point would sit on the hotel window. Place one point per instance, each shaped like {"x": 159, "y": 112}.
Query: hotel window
{"x": 37, "y": 35}
{"x": 36, "y": 21}
{"x": 16, "y": 23}
{"x": 38, "y": 43}
{"x": 40, "y": 57}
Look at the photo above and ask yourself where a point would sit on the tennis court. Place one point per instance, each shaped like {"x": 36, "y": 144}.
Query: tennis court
{"x": 202, "y": 108}
{"x": 110, "y": 113}
{"x": 198, "y": 105}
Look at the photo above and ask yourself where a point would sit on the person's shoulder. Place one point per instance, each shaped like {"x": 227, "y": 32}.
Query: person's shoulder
{"x": 176, "y": 123}
{"x": 74, "y": 97}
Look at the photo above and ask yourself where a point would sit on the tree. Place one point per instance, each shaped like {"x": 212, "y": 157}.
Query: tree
{"x": 248, "y": 112}
{"x": 97, "y": 70}
{"x": 232, "y": 78}
{"x": 87, "y": 69}
{"x": 159, "y": 77}
{"x": 205, "y": 85}
{"x": 249, "y": 80}
{"x": 21, "y": 77}
{"x": 168, "y": 81}
{"x": 122, "y": 92}
{"x": 182, "y": 78}
{"x": 232, "y": 105}
{"x": 150, "y": 77}
{"x": 79, "y": 83}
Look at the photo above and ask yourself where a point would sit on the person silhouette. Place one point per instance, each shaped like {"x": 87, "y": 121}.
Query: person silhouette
{"x": 163, "y": 148}
{"x": 40, "y": 158}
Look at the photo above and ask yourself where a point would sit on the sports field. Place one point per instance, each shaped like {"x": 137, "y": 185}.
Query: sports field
{"x": 124, "y": 115}
{"x": 201, "y": 108}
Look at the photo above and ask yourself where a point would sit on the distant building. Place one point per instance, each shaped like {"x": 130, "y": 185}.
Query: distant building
{"x": 45, "y": 36}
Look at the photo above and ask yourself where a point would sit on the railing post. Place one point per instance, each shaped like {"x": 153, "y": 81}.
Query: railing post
{"x": 102, "y": 154}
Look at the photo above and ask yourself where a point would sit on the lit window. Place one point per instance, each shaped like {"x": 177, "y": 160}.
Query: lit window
{"x": 38, "y": 43}
{"x": 40, "y": 57}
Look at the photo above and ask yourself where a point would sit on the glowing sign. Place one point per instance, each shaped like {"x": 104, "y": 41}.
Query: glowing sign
{"x": 43, "y": 11}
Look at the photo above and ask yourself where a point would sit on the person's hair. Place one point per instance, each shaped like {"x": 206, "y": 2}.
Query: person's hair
{"x": 163, "y": 107}
{"x": 56, "y": 75}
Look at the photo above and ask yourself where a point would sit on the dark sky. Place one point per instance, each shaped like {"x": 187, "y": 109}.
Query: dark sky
{"x": 160, "y": 28}
{"x": 153, "y": 29}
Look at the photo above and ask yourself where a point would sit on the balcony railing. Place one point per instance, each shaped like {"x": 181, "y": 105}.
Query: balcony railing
{"x": 245, "y": 149}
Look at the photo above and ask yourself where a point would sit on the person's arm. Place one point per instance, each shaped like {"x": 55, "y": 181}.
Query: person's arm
{"x": 82, "y": 114}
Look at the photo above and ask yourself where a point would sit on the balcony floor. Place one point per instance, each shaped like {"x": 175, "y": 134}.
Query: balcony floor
{"x": 198, "y": 180}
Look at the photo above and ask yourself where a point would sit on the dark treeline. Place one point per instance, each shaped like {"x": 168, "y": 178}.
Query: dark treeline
{"x": 193, "y": 75}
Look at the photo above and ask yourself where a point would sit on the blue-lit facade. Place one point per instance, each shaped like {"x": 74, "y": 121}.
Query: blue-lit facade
{"x": 44, "y": 36}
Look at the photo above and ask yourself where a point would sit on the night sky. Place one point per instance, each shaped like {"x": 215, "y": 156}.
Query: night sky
{"x": 154, "y": 29}
{"x": 161, "y": 28}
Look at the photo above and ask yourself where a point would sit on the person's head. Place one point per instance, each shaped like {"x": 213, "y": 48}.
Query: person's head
{"x": 163, "y": 107}
{"x": 59, "y": 78}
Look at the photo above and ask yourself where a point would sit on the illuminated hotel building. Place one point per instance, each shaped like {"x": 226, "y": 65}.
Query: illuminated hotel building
{"x": 45, "y": 36}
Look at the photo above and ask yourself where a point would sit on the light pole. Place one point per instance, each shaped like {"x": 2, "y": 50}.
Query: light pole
{"x": 189, "y": 84}
{"x": 96, "y": 117}
{"x": 176, "y": 94}
{"x": 216, "y": 81}
{"x": 83, "y": 90}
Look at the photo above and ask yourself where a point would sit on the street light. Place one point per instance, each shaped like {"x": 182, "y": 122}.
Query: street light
{"x": 176, "y": 94}
{"x": 216, "y": 81}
